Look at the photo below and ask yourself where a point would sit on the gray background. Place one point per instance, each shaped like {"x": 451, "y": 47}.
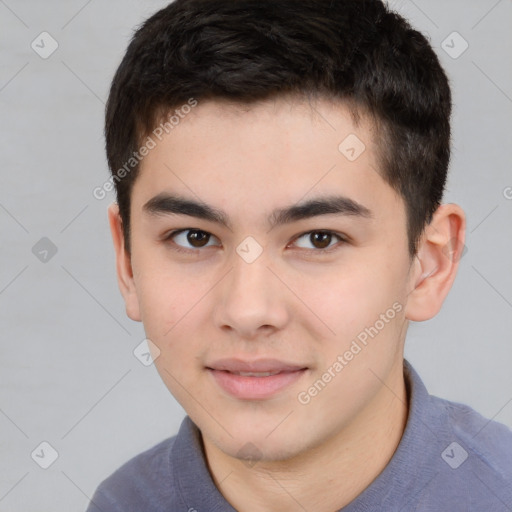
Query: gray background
{"x": 68, "y": 374}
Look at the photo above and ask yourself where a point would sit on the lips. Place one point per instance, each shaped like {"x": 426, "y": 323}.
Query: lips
{"x": 254, "y": 380}
{"x": 255, "y": 374}
{"x": 256, "y": 366}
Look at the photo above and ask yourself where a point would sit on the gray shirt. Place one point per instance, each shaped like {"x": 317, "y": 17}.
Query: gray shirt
{"x": 450, "y": 458}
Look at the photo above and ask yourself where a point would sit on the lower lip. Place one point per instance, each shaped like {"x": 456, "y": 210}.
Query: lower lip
{"x": 254, "y": 388}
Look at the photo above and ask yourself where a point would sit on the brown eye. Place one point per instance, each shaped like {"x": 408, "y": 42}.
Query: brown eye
{"x": 190, "y": 239}
{"x": 320, "y": 240}
{"x": 197, "y": 238}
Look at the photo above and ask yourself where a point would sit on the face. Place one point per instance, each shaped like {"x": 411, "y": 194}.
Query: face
{"x": 263, "y": 241}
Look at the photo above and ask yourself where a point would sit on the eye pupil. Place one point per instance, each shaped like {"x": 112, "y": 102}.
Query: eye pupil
{"x": 197, "y": 238}
{"x": 320, "y": 240}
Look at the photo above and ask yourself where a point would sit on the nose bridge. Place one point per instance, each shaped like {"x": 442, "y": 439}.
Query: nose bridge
{"x": 250, "y": 296}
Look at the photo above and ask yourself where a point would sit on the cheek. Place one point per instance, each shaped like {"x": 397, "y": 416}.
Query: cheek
{"x": 166, "y": 301}
{"x": 170, "y": 309}
{"x": 159, "y": 307}
{"x": 345, "y": 301}
{"x": 365, "y": 302}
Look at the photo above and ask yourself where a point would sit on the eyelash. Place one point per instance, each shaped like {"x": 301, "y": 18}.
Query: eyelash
{"x": 178, "y": 248}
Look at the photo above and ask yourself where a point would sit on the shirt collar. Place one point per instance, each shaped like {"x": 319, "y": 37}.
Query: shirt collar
{"x": 417, "y": 459}
{"x": 409, "y": 471}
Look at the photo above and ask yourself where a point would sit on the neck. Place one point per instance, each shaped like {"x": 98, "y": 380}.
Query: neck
{"x": 327, "y": 477}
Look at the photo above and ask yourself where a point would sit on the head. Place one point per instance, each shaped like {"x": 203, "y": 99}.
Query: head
{"x": 256, "y": 124}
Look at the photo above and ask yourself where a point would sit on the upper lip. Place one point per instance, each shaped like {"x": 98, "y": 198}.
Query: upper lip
{"x": 258, "y": 365}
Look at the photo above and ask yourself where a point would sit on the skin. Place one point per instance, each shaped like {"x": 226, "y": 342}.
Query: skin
{"x": 294, "y": 302}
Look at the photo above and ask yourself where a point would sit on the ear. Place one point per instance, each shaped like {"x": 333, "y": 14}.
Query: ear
{"x": 435, "y": 267}
{"x": 123, "y": 264}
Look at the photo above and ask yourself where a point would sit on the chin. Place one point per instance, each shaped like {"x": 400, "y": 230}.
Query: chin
{"x": 251, "y": 444}
{"x": 252, "y": 452}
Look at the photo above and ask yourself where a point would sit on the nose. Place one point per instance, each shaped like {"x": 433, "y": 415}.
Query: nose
{"x": 251, "y": 300}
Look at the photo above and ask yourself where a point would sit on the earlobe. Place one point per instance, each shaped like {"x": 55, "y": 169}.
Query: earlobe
{"x": 123, "y": 264}
{"x": 436, "y": 263}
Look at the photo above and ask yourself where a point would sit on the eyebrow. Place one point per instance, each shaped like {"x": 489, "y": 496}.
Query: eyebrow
{"x": 167, "y": 204}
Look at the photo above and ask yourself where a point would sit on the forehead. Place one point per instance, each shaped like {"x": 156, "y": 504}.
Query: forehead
{"x": 274, "y": 152}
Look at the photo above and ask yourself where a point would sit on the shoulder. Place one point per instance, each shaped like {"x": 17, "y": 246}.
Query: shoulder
{"x": 485, "y": 444}
{"x": 145, "y": 482}
{"x": 466, "y": 459}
